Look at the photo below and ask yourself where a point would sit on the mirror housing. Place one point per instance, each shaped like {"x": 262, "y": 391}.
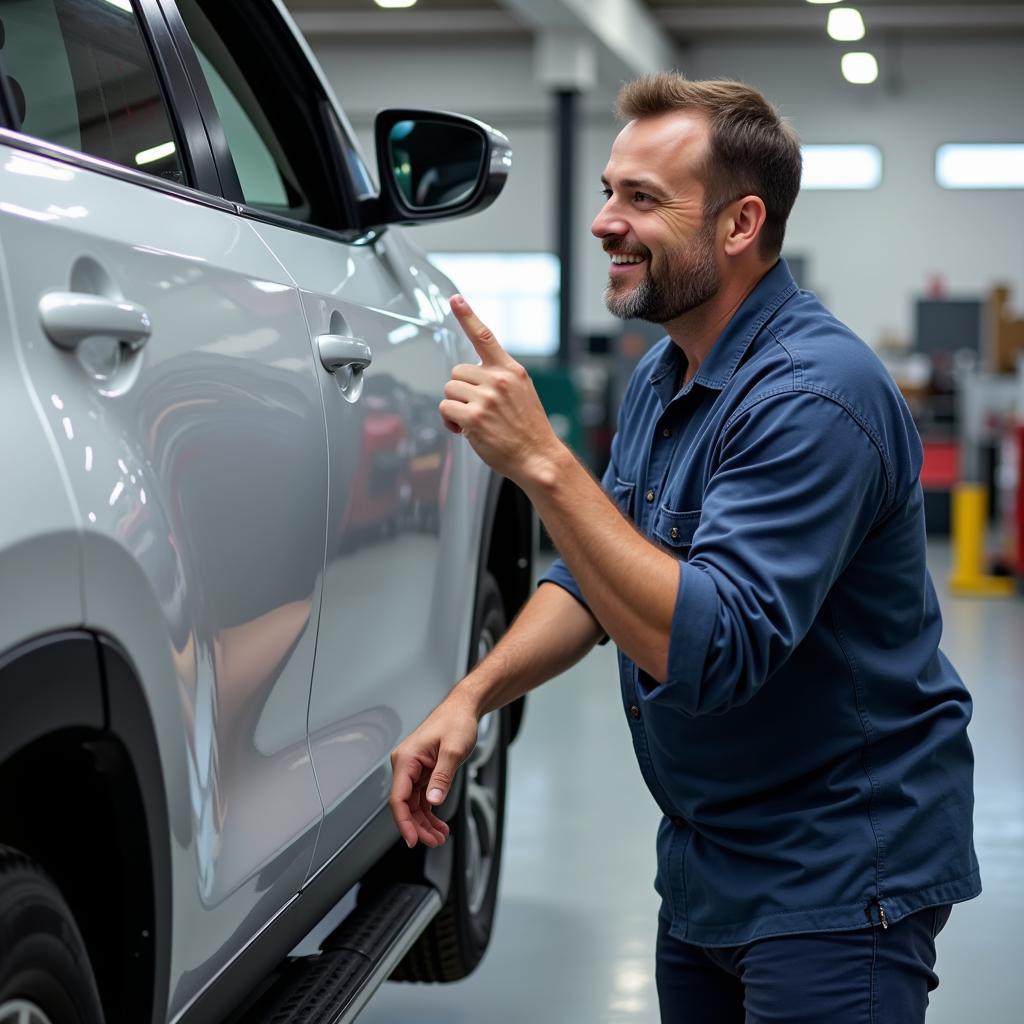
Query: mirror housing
{"x": 396, "y": 205}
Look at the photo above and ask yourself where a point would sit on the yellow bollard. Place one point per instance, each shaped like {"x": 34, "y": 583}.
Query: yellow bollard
{"x": 970, "y": 516}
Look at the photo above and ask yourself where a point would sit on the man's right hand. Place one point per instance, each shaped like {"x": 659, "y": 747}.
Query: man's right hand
{"x": 423, "y": 769}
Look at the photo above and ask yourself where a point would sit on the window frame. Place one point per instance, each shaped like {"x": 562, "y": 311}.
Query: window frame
{"x": 276, "y": 36}
{"x": 182, "y": 112}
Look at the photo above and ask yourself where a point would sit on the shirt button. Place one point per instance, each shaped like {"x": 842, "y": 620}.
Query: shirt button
{"x": 634, "y": 711}
{"x": 649, "y": 496}
{"x": 675, "y": 533}
{"x": 678, "y": 822}
{"x": 666, "y": 432}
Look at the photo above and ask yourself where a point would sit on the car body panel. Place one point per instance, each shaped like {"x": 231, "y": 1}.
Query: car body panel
{"x": 40, "y": 565}
{"x": 199, "y": 466}
{"x": 403, "y": 514}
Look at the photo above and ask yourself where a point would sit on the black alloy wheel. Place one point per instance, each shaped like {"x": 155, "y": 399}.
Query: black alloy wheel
{"x": 45, "y": 976}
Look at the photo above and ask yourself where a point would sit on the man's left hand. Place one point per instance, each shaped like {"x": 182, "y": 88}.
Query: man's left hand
{"x": 494, "y": 404}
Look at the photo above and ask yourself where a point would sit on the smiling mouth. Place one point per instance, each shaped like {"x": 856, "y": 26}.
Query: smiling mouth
{"x": 626, "y": 260}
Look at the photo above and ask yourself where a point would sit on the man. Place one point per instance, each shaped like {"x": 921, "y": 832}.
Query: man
{"x": 777, "y": 628}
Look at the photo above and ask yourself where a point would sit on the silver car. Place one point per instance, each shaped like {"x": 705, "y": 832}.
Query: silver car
{"x": 240, "y": 557}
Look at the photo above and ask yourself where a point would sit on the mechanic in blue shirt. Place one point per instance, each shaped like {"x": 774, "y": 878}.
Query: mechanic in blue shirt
{"x": 757, "y": 553}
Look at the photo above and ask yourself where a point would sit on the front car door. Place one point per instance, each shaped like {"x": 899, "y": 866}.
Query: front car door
{"x": 169, "y": 351}
{"x": 393, "y": 625}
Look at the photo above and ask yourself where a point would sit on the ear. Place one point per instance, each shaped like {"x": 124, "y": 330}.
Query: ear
{"x": 744, "y": 221}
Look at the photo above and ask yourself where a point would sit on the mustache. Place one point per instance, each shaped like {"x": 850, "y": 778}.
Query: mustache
{"x": 617, "y": 249}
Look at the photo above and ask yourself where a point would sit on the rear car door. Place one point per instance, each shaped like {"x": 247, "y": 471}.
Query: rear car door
{"x": 388, "y": 647}
{"x": 169, "y": 351}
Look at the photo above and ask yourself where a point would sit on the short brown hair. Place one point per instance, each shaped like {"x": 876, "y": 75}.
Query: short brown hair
{"x": 753, "y": 150}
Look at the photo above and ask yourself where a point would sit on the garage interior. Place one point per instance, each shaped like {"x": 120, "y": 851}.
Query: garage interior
{"x": 928, "y": 269}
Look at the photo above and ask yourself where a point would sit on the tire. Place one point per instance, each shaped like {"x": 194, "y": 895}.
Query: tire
{"x": 45, "y": 977}
{"x": 455, "y": 941}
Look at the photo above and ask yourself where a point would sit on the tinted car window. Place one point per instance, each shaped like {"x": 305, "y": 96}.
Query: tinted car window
{"x": 81, "y": 76}
{"x": 269, "y": 114}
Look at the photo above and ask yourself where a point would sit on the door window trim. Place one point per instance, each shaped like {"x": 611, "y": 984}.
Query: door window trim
{"x": 186, "y": 118}
{"x": 86, "y": 162}
{"x": 228, "y": 184}
{"x": 297, "y": 61}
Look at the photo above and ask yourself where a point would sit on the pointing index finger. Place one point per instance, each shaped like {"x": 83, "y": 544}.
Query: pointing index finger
{"x": 480, "y": 335}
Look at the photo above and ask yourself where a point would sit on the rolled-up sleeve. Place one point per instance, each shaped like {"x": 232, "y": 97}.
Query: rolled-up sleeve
{"x": 558, "y": 573}
{"x": 798, "y": 486}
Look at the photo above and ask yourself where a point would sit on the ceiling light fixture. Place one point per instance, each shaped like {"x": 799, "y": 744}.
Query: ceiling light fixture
{"x": 980, "y": 165}
{"x": 860, "y": 68}
{"x": 823, "y": 1}
{"x": 845, "y": 24}
{"x": 394, "y": 4}
{"x": 846, "y": 166}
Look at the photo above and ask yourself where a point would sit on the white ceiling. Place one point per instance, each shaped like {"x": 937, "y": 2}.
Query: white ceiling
{"x": 682, "y": 21}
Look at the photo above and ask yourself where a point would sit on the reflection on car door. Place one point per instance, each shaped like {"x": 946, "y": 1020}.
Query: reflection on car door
{"x": 388, "y": 628}
{"x": 392, "y": 628}
{"x": 196, "y": 457}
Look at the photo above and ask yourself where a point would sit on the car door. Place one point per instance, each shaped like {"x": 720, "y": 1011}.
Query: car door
{"x": 169, "y": 351}
{"x": 387, "y": 648}
{"x": 384, "y": 649}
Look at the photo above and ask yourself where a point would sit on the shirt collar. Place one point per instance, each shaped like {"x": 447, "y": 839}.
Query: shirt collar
{"x": 775, "y": 288}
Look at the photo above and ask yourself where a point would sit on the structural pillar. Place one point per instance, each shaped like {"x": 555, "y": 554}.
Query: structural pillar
{"x": 567, "y": 65}
{"x": 566, "y": 120}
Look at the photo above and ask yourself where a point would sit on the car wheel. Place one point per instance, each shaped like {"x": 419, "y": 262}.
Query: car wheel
{"x": 455, "y": 941}
{"x": 45, "y": 977}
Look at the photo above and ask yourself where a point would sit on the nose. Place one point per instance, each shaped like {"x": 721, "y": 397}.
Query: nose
{"x": 609, "y": 223}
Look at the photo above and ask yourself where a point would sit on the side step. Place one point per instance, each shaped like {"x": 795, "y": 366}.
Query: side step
{"x": 334, "y": 986}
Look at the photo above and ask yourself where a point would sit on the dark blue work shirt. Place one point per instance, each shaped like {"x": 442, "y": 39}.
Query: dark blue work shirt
{"x": 809, "y": 747}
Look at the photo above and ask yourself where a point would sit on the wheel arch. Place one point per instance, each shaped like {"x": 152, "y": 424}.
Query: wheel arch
{"x": 508, "y": 551}
{"x": 82, "y": 794}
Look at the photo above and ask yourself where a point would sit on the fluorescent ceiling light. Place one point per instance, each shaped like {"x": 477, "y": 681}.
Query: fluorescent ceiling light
{"x": 860, "y": 68}
{"x": 394, "y": 3}
{"x": 980, "y": 165}
{"x": 841, "y": 167}
{"x": 823, "y": 1}
{"x": 124, "y": 5}
{"x": 845, "y": 24}
{"x": 150, "y": 156}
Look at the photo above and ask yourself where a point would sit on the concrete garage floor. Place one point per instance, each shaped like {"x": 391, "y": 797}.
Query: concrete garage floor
{"x": 574, "y": 942}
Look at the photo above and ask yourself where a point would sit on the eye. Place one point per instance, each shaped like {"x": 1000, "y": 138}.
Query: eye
{"x": 606, "y": 192}
{"x": 643, "y": 197}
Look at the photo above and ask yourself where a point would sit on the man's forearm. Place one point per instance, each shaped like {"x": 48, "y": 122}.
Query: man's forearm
{"x": 630, "y": 585}
{"x": 551, "y": 633}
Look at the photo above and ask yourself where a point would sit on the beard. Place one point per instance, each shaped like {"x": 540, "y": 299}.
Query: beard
{"x": 688, "y": 280}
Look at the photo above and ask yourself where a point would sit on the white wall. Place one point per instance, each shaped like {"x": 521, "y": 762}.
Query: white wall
{"x": 870, "y": 253}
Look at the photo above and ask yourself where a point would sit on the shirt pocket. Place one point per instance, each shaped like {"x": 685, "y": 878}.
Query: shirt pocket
{"x": 622, "y": 494}
{"x": 674, "y": 530}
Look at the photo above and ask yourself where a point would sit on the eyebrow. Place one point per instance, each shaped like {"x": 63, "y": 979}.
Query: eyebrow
{"x": 643, "y": 184}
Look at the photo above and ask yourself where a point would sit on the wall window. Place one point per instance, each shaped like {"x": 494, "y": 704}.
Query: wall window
{"x": 514, "y": 293}
{"x": 980, "y": 165}
{"x": 841, "y": 167}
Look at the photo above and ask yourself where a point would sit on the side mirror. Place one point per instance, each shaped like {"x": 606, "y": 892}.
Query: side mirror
{"x": 435, "y": 166}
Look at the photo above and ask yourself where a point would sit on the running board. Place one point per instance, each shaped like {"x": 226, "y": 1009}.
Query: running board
{"x": 332, "y": 987}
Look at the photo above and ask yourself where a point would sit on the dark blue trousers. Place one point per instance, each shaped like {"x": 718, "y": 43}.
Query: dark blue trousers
{"x": 867, "y": 976}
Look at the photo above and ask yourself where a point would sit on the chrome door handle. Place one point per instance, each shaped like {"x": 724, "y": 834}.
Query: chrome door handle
{"x": 337, "y": 351}
{"x": 69, "y": 318}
